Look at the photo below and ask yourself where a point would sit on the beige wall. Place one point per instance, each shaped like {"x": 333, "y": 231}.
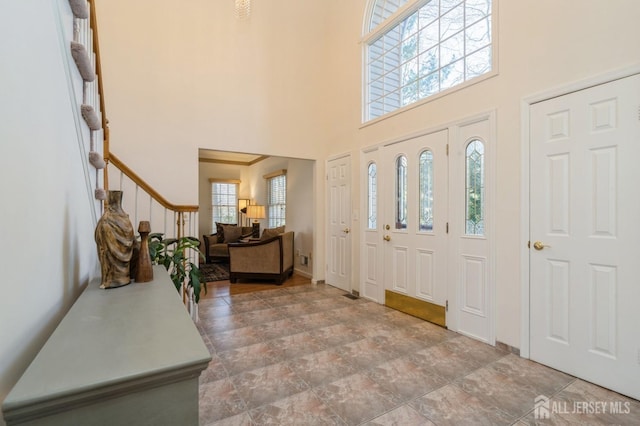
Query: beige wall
{"x": 184, "y": 75}
{"x": 48, "y": 254}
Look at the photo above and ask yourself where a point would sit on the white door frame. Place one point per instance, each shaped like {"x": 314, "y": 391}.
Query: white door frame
{"x": 524, "y": 199}
{"x": 349, "y": 253}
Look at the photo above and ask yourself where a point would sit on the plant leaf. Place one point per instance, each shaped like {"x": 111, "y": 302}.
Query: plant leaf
{"x": 172, "y": 254}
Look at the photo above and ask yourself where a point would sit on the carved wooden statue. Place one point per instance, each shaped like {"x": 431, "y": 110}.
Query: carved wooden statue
{"x": 114, "y": 238}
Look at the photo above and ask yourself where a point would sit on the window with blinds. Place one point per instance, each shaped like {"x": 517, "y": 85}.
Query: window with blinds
{"x": 276, "y": 198}
{"x": 224, "y": 202}
{"x": 432, "y": 46}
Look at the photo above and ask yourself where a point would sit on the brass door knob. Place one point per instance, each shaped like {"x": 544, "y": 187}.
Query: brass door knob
{"x": 539, "y": 245}
{"x": 386, "y": 238}
{"x": 346, "y": 230}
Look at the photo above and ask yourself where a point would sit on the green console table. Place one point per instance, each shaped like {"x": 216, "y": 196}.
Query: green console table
{"x": 123, "y": 356}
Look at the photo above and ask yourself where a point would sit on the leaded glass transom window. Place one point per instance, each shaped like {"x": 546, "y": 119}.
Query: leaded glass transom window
{"x": 425, "y": 184}
{"x": 475, "y": 199}
{"x": 372, "y": 197}
{"x": 439, "y": 45}
{"x": 401, "y": 193}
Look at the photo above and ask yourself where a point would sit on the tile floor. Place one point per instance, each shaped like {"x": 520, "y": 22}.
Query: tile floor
{"x": 307, "y": 355}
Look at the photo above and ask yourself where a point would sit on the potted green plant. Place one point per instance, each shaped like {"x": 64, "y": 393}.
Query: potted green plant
{"x": 174, "y": 255}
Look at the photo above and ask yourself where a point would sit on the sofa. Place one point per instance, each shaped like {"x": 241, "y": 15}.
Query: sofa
{"x": 269, "y": 258}
{"x": 215, "y": 245}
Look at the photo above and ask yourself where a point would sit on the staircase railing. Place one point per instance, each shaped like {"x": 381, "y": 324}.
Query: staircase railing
{"x": 93, "y": 22}
{"x": 140, "y": 200}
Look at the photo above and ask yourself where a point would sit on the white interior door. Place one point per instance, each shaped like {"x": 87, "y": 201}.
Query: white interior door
{"x": 371, "y": 257}
{"x": 339, "y": 226}
{"x": 584, "y": 216}
{"x": 414, "y": 195}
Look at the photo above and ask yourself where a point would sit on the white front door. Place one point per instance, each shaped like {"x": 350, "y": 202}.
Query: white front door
{"x": 414, "y": 194}
{"x": 584, "y": 233}
{"x": 339, "y": 226}
{"x": 371, "y": 258}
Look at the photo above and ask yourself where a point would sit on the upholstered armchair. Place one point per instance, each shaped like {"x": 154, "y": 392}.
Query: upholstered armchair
{"x": 271, "y": 258}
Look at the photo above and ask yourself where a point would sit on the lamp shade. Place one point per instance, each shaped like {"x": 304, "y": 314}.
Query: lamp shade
{"x": 255, "y": 212}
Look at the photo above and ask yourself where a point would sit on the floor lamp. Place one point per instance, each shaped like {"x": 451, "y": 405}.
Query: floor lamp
{"x": 242, "y": 208}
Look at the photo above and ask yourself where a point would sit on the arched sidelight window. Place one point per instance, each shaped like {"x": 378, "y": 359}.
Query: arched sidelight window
{"x": 475, "y": 195}
{"x": 425, "y": 185}
{"x": 401, "y": 192}
{"x": 372, "y": 196}
{"x": 415, "y": 49}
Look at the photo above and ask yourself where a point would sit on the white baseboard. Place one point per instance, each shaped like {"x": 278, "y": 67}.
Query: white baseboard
{"x": 302, "y": 273}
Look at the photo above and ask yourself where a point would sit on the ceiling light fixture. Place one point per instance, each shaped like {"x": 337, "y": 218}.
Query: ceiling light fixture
{"x": 243, "y": 9}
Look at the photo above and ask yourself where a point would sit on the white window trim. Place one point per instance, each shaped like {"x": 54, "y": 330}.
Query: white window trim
{"x": 397, "y": 17}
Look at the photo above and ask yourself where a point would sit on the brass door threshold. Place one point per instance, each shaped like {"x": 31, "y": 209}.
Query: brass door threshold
{"x": 416, "y": 307}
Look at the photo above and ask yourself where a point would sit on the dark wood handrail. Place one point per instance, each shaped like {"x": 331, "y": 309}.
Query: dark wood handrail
{"x": 152, "y": 192}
